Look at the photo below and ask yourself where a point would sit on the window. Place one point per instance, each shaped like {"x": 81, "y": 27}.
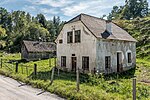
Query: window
{"x": 60, "y": 41}
{"x": 107, "y": 62}
{"x": 69, "y": 37}
{"x": 129, "y": 57}
{"x": 73, "y": 55}
{"x": 77, "y": 36}
{"x": 63, "y": 61}
{"x": 85, "y": 63}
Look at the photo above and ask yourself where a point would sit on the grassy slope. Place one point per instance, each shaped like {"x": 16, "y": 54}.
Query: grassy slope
{"x": 112, "y": 87}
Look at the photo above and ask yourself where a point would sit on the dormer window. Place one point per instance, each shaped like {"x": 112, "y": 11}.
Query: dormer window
{"x": 70, "y": 37}
{"x": 77, "y": 36}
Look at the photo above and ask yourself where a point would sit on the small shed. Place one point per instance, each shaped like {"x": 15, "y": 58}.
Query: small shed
{"x": 36, "y": 50}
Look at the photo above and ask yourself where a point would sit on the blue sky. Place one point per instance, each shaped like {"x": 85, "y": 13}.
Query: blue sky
{"x": 66, "y": 9}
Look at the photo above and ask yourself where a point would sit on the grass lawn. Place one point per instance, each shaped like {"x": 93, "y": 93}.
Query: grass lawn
{"x": 92, "y": 87}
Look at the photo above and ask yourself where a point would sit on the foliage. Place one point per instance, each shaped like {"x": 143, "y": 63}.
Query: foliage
{"x": 132, "y": 9}
{"x": 2, "y": 33}
{"x": 20, "y": 25}
{"x": 92, "y": 87}
{"x": 139, "y": 28}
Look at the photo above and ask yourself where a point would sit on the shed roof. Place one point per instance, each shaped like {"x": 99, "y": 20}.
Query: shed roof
{"x": 98, "y": 26}
{"x": 36, "y": 46}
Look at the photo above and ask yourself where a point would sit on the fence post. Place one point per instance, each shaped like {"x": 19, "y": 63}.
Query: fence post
{"x": 58, "y": 71}
{"x": 16, "y": 67}
{"x": 52, "y": 75}
{"x": 78, "y": 79}
{"x": 27, "y": 70}
{"x": 35, "y": 69}
{"x": 55, "y": 61}
{"x": 1, "y": 63}
{"x": 49, "y": 62}
{"x": 22, "y": 69}
{"x": 134, "y": 89}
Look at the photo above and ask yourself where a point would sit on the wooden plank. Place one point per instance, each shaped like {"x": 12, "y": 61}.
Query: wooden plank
{"x": 78, "y": 81}
{"x": 134, "y": 89}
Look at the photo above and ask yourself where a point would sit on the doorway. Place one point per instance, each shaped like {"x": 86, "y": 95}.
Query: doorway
{"x": 119, "y": 61}
{"x": 74, "y": 63}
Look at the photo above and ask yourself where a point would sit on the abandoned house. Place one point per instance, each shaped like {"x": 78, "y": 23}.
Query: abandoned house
{"x": 35, "y": 50}
{"x": 95, "y": 45}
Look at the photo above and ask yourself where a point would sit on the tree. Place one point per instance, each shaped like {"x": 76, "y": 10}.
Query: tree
{"x": 3, "y": 16}
{"x": 2, "y": 33}
{"x": 36, "y": 31}
{"x": 41, "y": 19}
{"x": 18, "y": 25}
{"x": 28, "y": 16}
{"x": 132, "y": 9}
{"x": 136, "y": 8}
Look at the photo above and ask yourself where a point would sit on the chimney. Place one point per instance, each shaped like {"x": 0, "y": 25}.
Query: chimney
{"x": 108, "y": 26}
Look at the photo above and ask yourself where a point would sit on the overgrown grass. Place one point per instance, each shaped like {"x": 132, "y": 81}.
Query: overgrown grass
{"x": 92, "y": 87}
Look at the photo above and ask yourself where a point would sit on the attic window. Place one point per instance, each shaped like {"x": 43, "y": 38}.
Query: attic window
{"x": 60, "y": 41}
{"x": 69, "y": 37}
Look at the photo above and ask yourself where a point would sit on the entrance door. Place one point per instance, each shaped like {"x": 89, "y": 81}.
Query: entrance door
{"x": 119, "y": 62}
{"x": 74, "y": 63}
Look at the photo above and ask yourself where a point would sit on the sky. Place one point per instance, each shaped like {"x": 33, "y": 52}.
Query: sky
{"x": 65, "y": 9}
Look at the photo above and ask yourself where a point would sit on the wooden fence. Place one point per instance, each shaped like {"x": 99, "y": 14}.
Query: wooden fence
{"x": 28, "y": 70}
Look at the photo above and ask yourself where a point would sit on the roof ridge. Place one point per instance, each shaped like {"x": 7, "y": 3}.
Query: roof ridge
{"x": 83, "y": 14}
{"x": 74, "y": 18}
{"x": 92, "y": 16}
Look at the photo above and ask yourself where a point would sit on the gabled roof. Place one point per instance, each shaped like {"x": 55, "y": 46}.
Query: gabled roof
{"x": 36, "y": 46}
{"x": 97, "y": 27}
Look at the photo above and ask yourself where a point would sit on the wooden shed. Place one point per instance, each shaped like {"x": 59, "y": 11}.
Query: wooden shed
{"x": 35, "y": 50}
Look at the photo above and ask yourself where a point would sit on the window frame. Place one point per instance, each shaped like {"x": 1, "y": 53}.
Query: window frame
{"x": 107, "y": 62}
{"x": 63, "y": 61}
{"x": 60, "y": 41}
{"x": 70, "y": 37}
{"x": 77, "y": 35}
{"x": 129, "y": 55}
{"x": 85, "y": 64}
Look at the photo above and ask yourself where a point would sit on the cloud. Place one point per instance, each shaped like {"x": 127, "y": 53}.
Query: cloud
{"x": 71, "y": 10}
{"x": 66, "y": 9}
{"x": 37, "y": 9}
{"x": 29, "y": 8}
{"x": 52, "y": 3}
{"x": 49, "y": 11}
{"x": 94, "y": 7}
{"x": 2, "y": 2}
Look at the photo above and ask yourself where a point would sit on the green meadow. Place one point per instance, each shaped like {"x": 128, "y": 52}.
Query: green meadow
{"x": 92, "y": 87}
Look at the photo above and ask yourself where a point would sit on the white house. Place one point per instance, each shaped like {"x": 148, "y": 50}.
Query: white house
{"x": 93, "y": 44}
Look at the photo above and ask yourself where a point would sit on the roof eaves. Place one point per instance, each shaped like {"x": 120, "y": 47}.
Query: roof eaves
{"x": 134, "y": 40}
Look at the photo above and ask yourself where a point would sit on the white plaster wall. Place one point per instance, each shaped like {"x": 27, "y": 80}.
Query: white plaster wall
{"x": 87, "y": 46}
{"x": 110, "y": 48}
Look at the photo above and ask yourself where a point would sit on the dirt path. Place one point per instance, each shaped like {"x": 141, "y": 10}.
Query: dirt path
{"x": 12, "y": 90}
